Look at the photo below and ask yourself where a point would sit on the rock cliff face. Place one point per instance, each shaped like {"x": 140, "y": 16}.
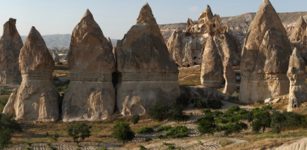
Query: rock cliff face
{"x": 186, "y": 45}
{"x": 228, "y": 72}
{"x": 36, "y": 99}
{"x": 265, "y": 57}
{"x": 90, "y": 95}
{"x": 296, "y": 75}
{"x": 10, "y": 45}
{"x": 147, "y": 75}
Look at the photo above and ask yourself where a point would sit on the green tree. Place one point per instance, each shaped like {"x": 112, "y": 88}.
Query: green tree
{"x": 277, "y": 121}
{"x": 123, "y": 132}
{"x": 261, "y": 119}
{"x": 79, "y": 131}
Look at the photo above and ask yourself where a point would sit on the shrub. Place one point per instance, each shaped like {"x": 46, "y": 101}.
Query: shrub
{"x": 123, "y": 132}
{"x": 207, "y": 123}
{"x": 277, "y": 121}
{"x": 170, "y": 146}
{"x": 159, "y": 111}
{"x": 176, "y": 113}
{"x": 261, "y": 119}
{"x": 163, "y": 128}
{"x": 203, "y": 103}
{"x": 8, "y": 126}
{"x": 214, "y": 104}
{"x": 79, "y": 131}
{"x": 162, "y": 112}
{"x": 135, "y": 119}
{"x": 5, "y": 137}
{"x": 146, "y": 130}
{"x": 141, "y": 147}
{"x": 236, "y": 127}
{"x": 293, "y": 120}
{"x": 178, "y": 132}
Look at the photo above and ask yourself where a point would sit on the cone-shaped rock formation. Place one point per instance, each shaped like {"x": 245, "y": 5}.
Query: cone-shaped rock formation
{"x": 36, "y": 99}
{"x": 265, "y": 57}
{"x": 147, "y": 73}
{"x": 90, "y": 95}
{"x": 212, "y": 68}
{"x": 10, "y": 45}
{"x": 296, "y": 75}
{"x": 299, "y": 30}
{"x": 206, "y": 15}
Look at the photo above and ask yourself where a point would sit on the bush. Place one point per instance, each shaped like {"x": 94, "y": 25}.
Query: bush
{"x": 159, "y": 111}
{"x": 207, "y": 123}
{"x": 294, "y": 120}
{"x": 163, "y": 128}
{"x": 277, "y": 121}
{"x": 141, "y": 147}
{"x": 135, "y": 119}
{"x": 123, "y": 132}
{"x": 214, "y": 104}
{"x": 203, "y": 103}
{"x": 5, "y": 137}
{"x": 79, "y": 131}
{"x": 146, "y": 130}
{"x": 178, "y": 132}
{"x": 261, "y": 119}
{"x": 236, "y": 127}
{"x": 162, "y": 112}
{"x": 176, "y": 113}
{"x": 8, "y": 126}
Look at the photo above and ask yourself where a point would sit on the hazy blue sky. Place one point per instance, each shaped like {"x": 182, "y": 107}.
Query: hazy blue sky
{"x": 115, "y": 17}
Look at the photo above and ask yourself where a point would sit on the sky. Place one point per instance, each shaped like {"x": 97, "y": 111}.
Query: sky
{"x": 115, "y": 17}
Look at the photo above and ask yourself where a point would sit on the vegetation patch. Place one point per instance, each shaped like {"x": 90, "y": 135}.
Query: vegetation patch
{"x": 79, "y": 131}
{"x": 165, "y": 112}
{"x": 8, "y": 126}
{"x": 146, "y": 130}
{"x": 123, "y": 132}
{"x": 235, "y": 120}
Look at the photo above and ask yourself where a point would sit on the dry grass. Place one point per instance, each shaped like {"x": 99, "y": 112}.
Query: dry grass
{"x": 100, "y": 131}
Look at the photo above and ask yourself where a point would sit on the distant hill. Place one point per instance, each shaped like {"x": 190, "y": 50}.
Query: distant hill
{"x": 59, "y": 40}
{"x": 55, "y": 40}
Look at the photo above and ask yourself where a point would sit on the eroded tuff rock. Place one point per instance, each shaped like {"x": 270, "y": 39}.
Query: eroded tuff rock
{"x": 185, "y": 50}
{"x": 228, "y": 72}
{"x": 265, "y": 57}
{"x": 147, "y": 74}
{"x": 36, "y": 98}
{"x": 90, "y": 95}
{"x": 298, "y": 37}
{"x": 10, "y": 45}
{"x": 300, "y": 144}
{"x": 296, "y": 75}
{"x": 298, "y": 32}
{"x": 211, "y": 75}
{"x": 186, "y": 46}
